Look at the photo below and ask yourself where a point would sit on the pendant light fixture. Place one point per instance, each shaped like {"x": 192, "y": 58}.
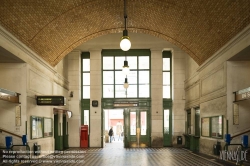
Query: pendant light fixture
{"x": 125, "y": 68}
{"x": 126, "y": 85}
{"x": 125, "y": 43}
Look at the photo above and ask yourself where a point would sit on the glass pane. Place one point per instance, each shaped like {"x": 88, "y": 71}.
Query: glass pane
{"x": 108, "y": 91}
{"x": 143, "y": 90}
{"x": 132, "y": 77}
{"x": 143, "y": 62}
{"x": 86, "y": 118}
{"x": 143, "y": 123}
{"x": 86, "y": 78}
{"x": 119, "y": 62}
{"x": 86, "y": 65}
{"x": 143, "y": 77}
{"x": 166, "y": 64}
{"x": 86, "y": 92}
{"x": 166, "y": 78}
{"x": 120, "y": 91}
{"x": 132, "y": 62}
{"x": 166, "y": 92}
{"x": 119, "y": 77}
{"x": 132, "y": 91}
{"x": 108, "y": 77}
{"x": 108, "y": 63}
{"x": 217, "y": 126}
{"x": 132, "y": 123}
{"x": 166, "y": 121}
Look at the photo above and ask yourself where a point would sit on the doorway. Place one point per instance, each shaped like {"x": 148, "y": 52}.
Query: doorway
{"x": 114, "y": 118}
{"x": 61, "y": 132}
{"x": 137, "y": 128}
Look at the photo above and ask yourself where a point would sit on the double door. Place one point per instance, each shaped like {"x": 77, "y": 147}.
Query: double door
{"x": 136, "y": 128}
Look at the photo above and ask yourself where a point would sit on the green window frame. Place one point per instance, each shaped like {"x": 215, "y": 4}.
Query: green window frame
{"x": 36, "y": 127}
{"x": 167, "y": 74}
{"x": 85, "y": 85}
{"x": 138, "y": 77}
{"x": 212, "y": 127}
{"x": 85, "y": 81}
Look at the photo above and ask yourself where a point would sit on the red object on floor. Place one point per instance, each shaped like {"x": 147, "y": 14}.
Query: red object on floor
{"x": 84, "y": 138}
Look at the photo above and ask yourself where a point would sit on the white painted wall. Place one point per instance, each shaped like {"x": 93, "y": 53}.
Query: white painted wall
{"x": 34, "y": 77}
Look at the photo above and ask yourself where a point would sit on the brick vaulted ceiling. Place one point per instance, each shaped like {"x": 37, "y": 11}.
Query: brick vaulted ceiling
{"x": 53, "y": 28}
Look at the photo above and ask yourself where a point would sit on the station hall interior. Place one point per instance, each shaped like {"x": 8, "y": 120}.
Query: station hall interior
{"x": 62, "y": 83}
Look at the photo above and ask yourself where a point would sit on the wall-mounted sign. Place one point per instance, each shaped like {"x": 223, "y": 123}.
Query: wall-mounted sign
{"x": 10, "y": 96}
{"x": 125, "y": 104}
{"x": 18, "y": 115}
{"x": 242, "y": 94}
{"x": 235, "y": 114}
{"x": 50, "y": 100}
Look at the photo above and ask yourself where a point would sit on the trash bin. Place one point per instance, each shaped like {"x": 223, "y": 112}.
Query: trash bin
{"x": 217, "y": 149}
{"x": 37, "y": 149}
{"x": 179, "y": 140}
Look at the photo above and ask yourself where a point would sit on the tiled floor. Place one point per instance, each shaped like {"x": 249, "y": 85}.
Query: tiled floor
{"x": 115, "y": 155}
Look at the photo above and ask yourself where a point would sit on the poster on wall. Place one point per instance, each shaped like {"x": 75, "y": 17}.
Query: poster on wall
{"x": 36, "y": 127}
{"x": 47, "y": 127}
{"x": 205, "y": 123}
{"x": 216, "y": 126}
{"x": 235, "y": 114}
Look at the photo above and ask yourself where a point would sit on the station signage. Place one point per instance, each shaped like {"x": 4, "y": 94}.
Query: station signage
{"x": 125, "y": 104}
{"x": 51, "y": 100}
{"x": 243, "y": 94}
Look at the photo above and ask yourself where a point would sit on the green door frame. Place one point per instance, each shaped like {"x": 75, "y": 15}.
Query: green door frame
{"x": 132, "y": 140}
{"x": 143, "y": 104}
{"x": 58, "y": 138}
{"x": 65, "y": 133}
{"x": 167, "y": 135}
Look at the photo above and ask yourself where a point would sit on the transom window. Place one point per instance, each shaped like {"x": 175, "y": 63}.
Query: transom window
{"x": 138, "y": 77}
{"x": 85, "y": 75}
{"x": 167, "y": 75}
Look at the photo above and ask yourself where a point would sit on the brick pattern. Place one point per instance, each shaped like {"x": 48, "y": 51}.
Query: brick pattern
{"x": 54, "y": 28}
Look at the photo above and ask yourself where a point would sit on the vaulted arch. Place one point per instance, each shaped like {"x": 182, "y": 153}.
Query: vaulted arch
{"x": 55, "y": 28}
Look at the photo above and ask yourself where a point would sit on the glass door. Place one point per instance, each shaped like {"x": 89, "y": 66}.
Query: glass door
{"x": 136, "y": 128}
{"x": 167, "y": 127}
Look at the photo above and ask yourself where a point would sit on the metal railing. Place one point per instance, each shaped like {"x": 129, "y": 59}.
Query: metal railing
{"x": 240, "y": 134}
{"x": 6, "y": 131}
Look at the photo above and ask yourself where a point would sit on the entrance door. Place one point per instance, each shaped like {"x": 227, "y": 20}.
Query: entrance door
{"x": 167, "y": 127}
{"x": 136, "y": 129}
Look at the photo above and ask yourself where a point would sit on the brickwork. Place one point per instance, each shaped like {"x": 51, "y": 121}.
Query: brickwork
{"x": 54, "y": 28}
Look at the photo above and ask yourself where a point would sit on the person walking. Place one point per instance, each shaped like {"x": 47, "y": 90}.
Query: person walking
{"x": 111, "y": 134}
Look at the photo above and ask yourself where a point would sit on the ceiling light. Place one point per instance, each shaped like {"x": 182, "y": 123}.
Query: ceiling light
{"x": 125, "y": 43}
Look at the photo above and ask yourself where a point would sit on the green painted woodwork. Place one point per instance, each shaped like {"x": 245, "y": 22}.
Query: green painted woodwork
{"x": 194, "y": 143}
{"x": 167, "y": 104}
{"x": 131, "y": 52}
{"x": 167, "y": 137}
{"x": 58, "y": 139}
{"x": 85, "y": 105}
{"x": 65, "y": 133}
{"x": 137, "y": 140}
{"x": 143, "y": 105}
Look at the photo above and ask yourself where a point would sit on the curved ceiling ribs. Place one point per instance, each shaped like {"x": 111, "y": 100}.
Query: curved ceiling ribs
{"x": 55, "y": 28}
